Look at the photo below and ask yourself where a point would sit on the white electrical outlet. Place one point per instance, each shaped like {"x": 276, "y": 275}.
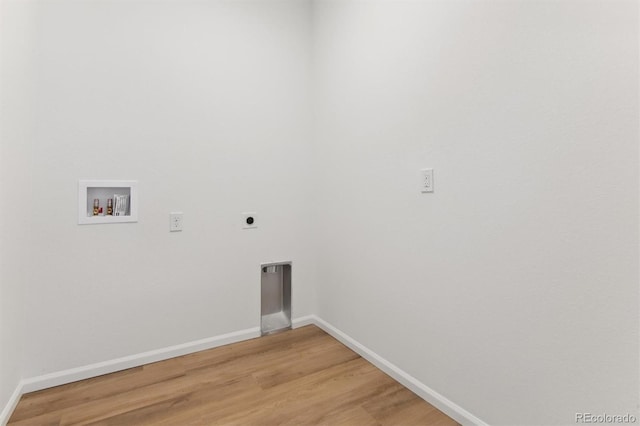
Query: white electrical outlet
{"x": 426, "y": 184}
{"x": 249, "y": 220}
{"x": 175, "y": 221}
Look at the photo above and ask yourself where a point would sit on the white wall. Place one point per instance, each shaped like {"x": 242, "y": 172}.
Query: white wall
{"x": 512, "y": 289}
{"x": 16, "y": 128}
{"x": 206, "y": 104}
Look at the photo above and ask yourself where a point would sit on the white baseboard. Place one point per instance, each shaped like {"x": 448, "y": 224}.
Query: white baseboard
{"x": 11, "y": 405}
{"x": 118, "y": 364}
{"x": 443, "y": 404}
{"x": 80, "y": 373}
{"x": 302, "y": 321}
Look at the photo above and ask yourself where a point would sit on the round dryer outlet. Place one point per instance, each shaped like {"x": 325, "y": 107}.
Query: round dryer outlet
{"x": 249, "y": 220}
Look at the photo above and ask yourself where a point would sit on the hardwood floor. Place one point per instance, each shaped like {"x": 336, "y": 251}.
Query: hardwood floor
{"x": 299, "y": 377}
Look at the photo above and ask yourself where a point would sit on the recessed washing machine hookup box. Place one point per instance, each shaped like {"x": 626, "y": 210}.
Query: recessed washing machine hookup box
{"x": 276, "y": 297}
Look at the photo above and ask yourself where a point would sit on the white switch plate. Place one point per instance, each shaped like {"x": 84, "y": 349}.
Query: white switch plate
{"x": 426, "y": 176}
{"x": 249, "y": 220}
{"x": 175, "y": 221}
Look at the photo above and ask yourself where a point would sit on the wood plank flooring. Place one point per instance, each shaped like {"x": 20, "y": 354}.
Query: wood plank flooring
{"x": 299, "y": 377}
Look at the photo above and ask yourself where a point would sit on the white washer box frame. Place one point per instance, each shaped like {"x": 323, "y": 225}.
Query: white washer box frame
{"x": 83, "y": 190}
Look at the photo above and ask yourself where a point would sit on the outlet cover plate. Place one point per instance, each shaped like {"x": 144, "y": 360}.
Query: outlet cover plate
{"x": 426, "y": 180}
{"x": 175, "y": 221}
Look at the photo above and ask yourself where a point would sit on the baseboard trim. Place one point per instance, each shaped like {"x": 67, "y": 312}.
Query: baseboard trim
{"x": 33, "y": 384}
{"x": 92, "y": 370}
{"x": 11, "y": 404}
{"x": 80, "y": 373}
{"x": 302, "y": 321}
{"x": 443, "y": 404}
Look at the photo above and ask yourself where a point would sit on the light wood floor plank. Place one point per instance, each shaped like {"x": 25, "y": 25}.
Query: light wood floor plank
{"x": 299, "y": 377}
